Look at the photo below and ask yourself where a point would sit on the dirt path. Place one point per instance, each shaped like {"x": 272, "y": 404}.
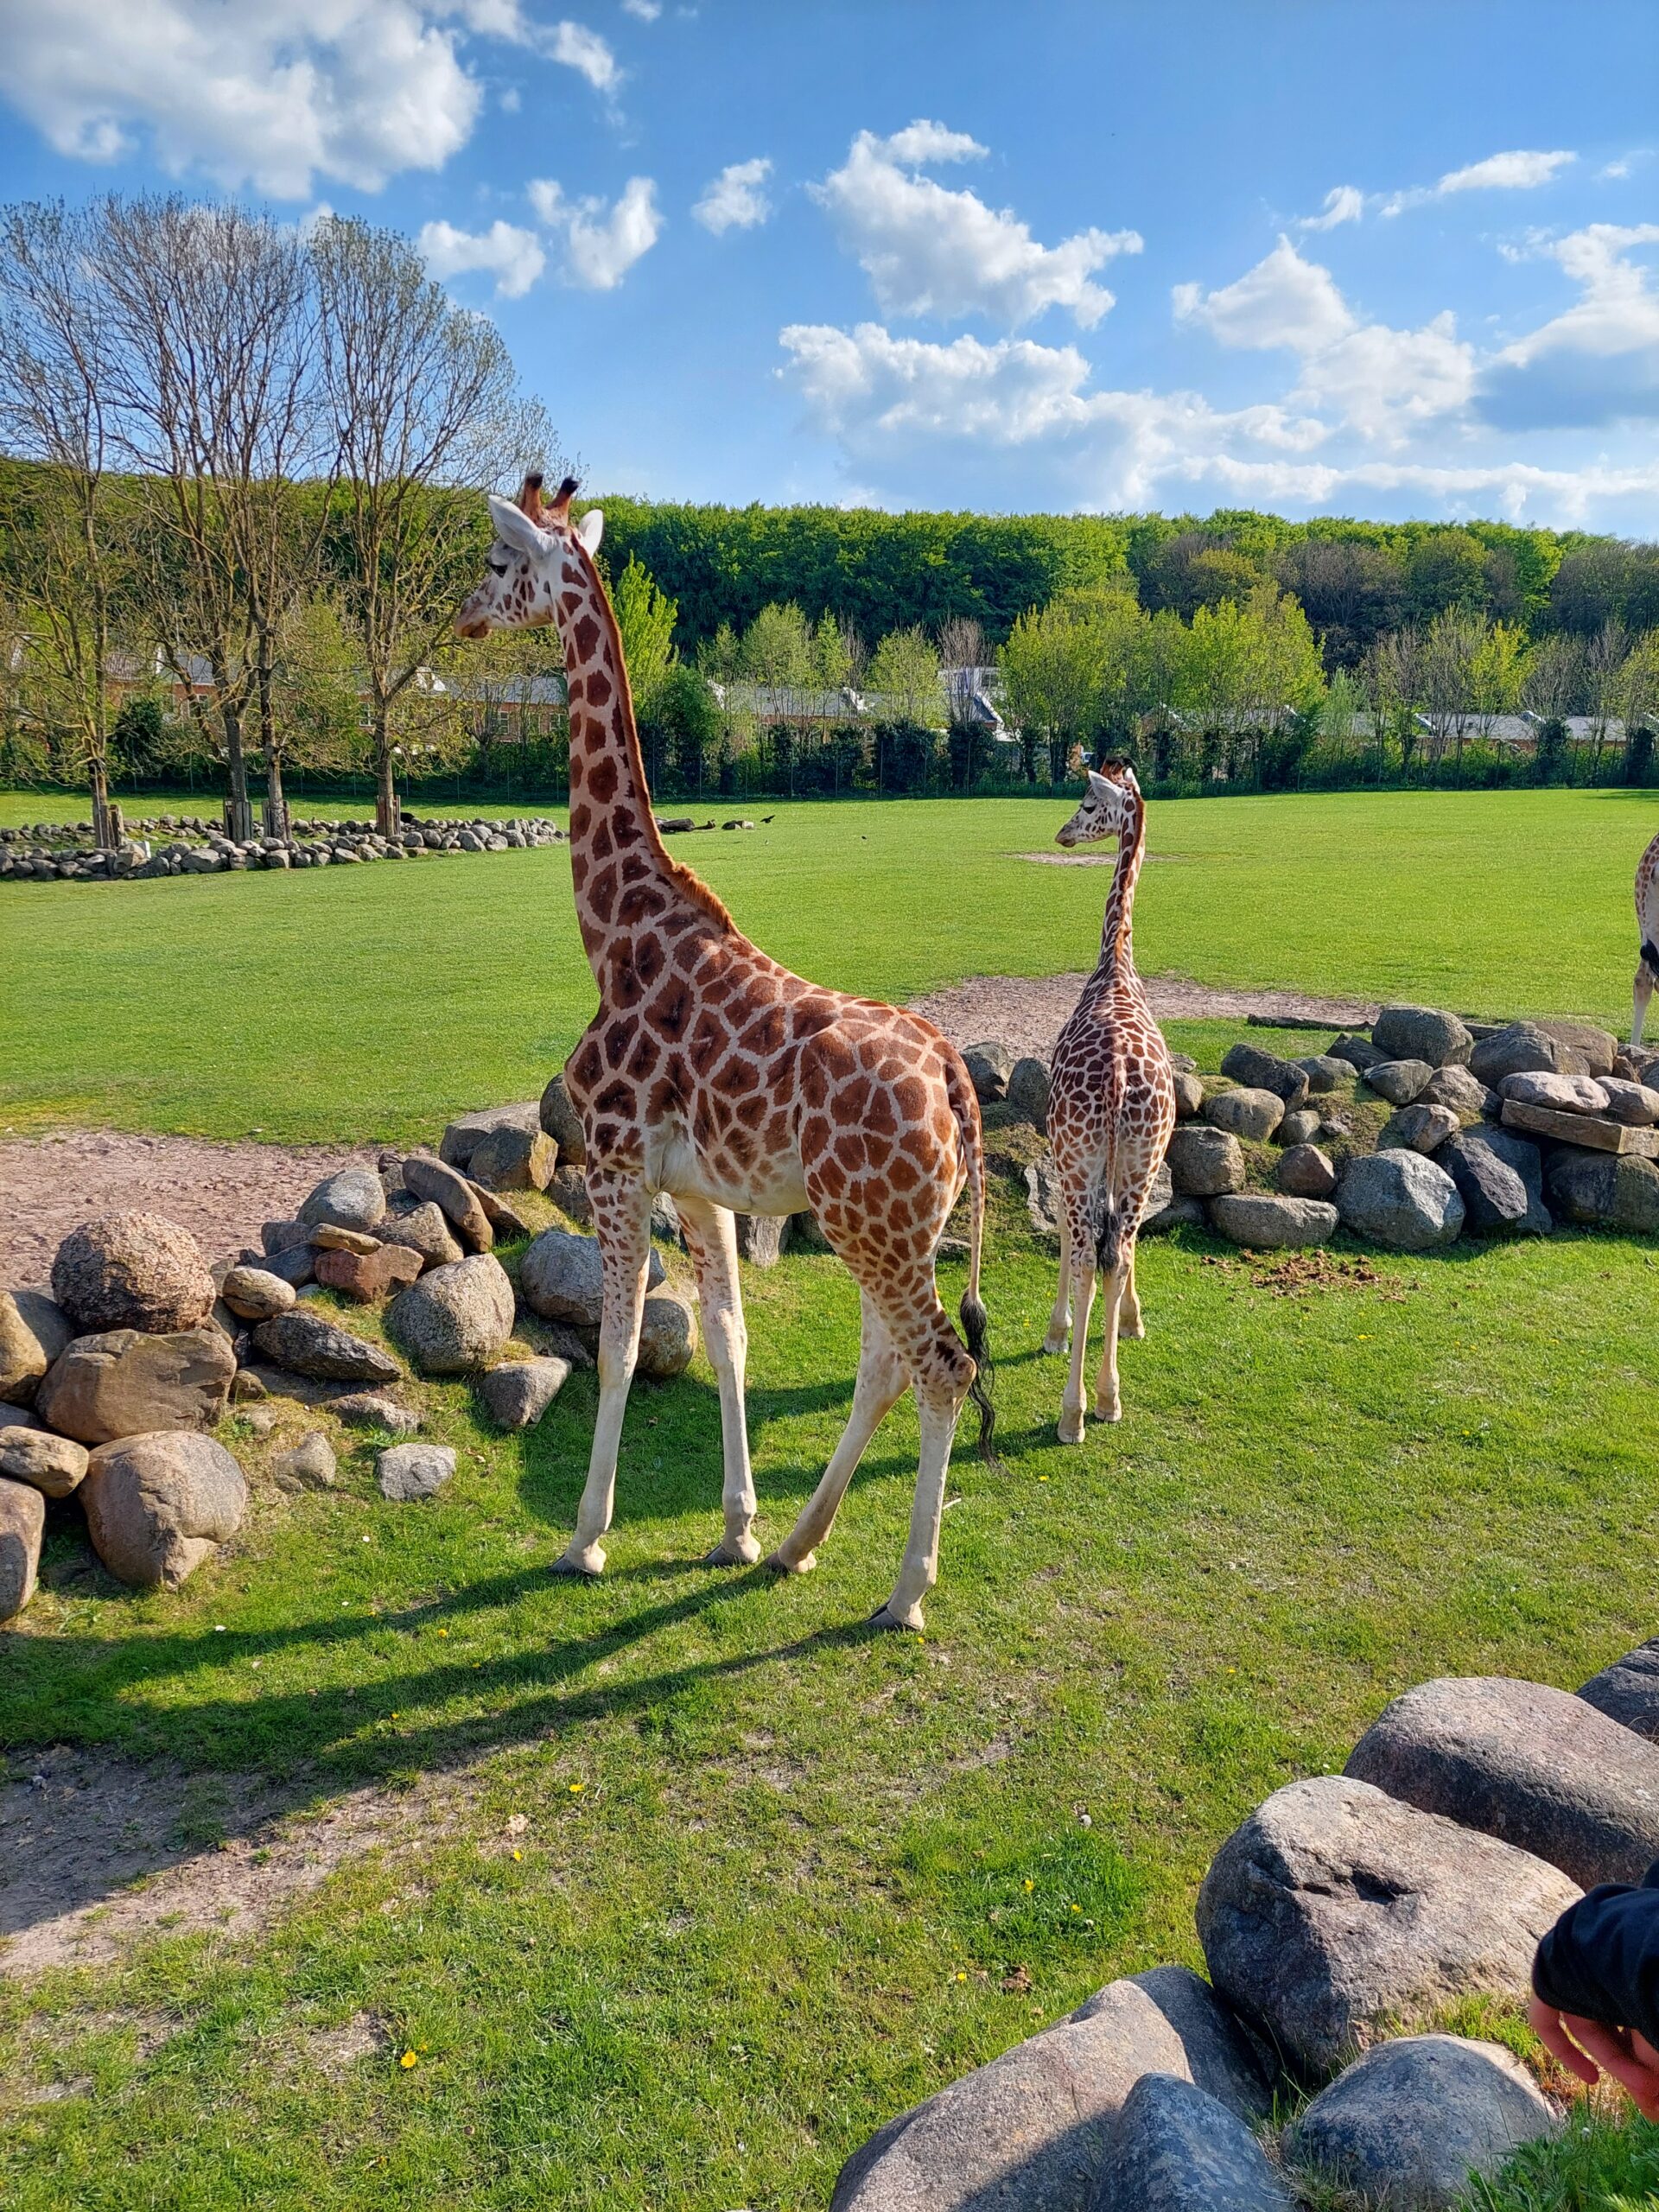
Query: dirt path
{"x": 1028, "y": 1011}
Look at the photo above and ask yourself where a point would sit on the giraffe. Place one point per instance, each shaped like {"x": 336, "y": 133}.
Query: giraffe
{"x": 711, "y": 1072}
{"x": 1647, "y": 923}
{"x": 1110, "y": 1110}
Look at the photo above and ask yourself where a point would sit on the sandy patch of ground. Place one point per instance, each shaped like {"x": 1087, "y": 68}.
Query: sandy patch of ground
{"x": 221, "y": 1192}
{"x": 1028, "y": 1011}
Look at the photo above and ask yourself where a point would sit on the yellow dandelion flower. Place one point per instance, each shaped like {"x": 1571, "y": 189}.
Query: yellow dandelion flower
{"x": 1029, "y": 1884}
{"x": 444, "y": 1631}
{"x": 408, "y": 2059}
{"x": 960, "y": 1975}
{"x": 518, "y": 1854}
{"x": 576, "y": 1788}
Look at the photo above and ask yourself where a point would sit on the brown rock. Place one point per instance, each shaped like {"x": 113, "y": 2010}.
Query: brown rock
{"x": 502, "y": 1215}
{"x": 254, "y": 1293}
{"x": 131, "y": 1271}
{"x": 54, "y": 1465}
{"x": 33, "y": 1331}
{"x": 329, "y": 1236}
{"x": 423, "y": 1227}
{"x": 430, "y": 1179}
{"x": 367, "y": 1276}
{"x": 563, "y": 1124}
{"x": 513, "y": 1160}
{"x": 309, "y": 1345}
{"x": 568, "y": 1192}
{"x": 125, "y": 1382}
{"x": 157, "y": 1506}
{"x": 668, "y": 1336}
{"x": 23, "y": 1520}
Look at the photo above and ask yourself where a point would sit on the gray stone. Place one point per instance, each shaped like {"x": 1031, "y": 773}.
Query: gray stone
{"x": 561, "y": 1278}
{"x": 53, "y": 1464}
{"x": 254, "y": 1293}
{"x": 12, "y": 1417}
{"x": 1203, "y": 1162}
{"x": 468, "y": 1131}
{"x": 513, "y": 1160}
{"x": 283, "y": 1235}
{"x": 158, "y": 1506}
{"x": 313, "y": 1346}
{"x": 1271, "y": 1220}
{"x": 1043, "y": 1195}
{"x": 1359, "y": 1052}
{"x": 125, "y": 1382}
{"x": 1529, "y": 1764}
{"x": 1163, "y": 1211}
{"x": 33, "y": 1329}
{"x": 1250, "y": 1114}
{"x": 295, "y": 1265}
{"x": 1418, "y": 1128}
{"x": 1400, "y": 1081}
{"x": 22, "y": 1523}
{"x": 375, "y": 1409}
{"x": 989, "y": 1065}
{"x": 563, "y": 1124}
{"x": 1034, "y": 2131}
{"x": 1305, "y": 1172}
{"x": 1521, "y": 1047}
{"x": 762, "y": 1238}
{"x": 423, "y": 1226}
{"x": 456, "y": 1320}
{"x": 1566, "y": 1094}
{"x": 1177, "y": 2149}
{"x": 1456, "y": 1088}
{"x": 1189, "y": 1094}
{"x": 1596, "y": 1048}
{"x": 354, "y": 1199}
{"x": 1028, "y": 1089}
{"x": 1633, "y": 1103}
{"x": 1409, "y": 2122}
{"x": 1326, "y": 1073}
{"x": 519, "y": 1393}
{"x": 1248, "y": 1065}
{"x": 1627, "y": 1692}
{"x": 1300, "y": 1128}
{"x": 1603, "y": 1189}
{"x": 455, "y": 1195}
{"x": 1400, "y": 1200}
{"x": 1335, "y": 1910}
{"x": 568, "y": 1192}
{"x": 408, "y": 1471}
{"x": 131, "y": 1270}
{"x": 1423, "y": 1033}
{"x": 668, "y": 1338}
{"x": 1496, "y": 1199}
{"x": 309, "y": 1465}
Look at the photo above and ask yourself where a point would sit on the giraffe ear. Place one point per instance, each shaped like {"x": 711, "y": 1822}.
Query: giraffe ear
{"x": 1102, "y": 786}
{"x": 514, "y": 528}
{"x": 591, "y": 527}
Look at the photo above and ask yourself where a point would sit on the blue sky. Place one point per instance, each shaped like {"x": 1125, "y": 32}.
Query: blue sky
{"x": 1376, "y": 256}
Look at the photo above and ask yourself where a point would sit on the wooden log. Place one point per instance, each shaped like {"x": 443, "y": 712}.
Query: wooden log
{"x": 1595, "y": 1132}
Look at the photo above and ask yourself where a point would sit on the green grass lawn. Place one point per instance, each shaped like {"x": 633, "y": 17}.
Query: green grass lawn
{"x": 372, "y": 1002}
{"x": 785, "y": 1897}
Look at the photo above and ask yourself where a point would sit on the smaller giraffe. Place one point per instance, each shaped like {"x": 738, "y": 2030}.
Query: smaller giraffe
{"x": 1110, "y": 1111}
{"x": 1646, "y": 925}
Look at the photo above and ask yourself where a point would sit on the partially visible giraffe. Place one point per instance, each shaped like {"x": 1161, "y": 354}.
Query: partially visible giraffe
{"x": 1646, "y": 925}
{"x": 1110, "y": 1110}
{"x": 713, "y": 1074}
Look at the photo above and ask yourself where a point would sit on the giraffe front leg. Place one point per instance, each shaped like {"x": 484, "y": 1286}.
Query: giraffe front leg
{"x": 1059, "y": 1321}
{"x": 711, "y": 1238}
{"x": 622, "y": 1223}
{"x": 1083, "y": 1297}
{"x": 1639, "y": 996}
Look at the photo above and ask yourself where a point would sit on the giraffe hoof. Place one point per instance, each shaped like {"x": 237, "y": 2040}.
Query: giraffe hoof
{"x": 1054, "y": 1346}
{"x": 780, "y": 1562}
{"x": 903, "y": 1616}
{"x": 585, "y": 1560}
{"x": 1136, "y": 1332}
{"x": 1072, "y": 1427}
{"x": 1113, "y": 1412}
{"x": 742, "y": 1551}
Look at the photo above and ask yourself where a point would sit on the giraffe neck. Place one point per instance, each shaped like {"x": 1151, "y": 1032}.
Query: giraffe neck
{"x": 1116, "y": 931}
{"x": 615, "y": 849}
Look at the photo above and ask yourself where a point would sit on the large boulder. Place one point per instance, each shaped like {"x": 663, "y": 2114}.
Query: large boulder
{"x": 1033, "y": 2132}
{"x": 1189, "y": 1094}
{"x": 454, "y": 1196}
{"x": 1423, "y": 1033}
{"x": 1603, "y": 1189}
{"x": 513, "y": 1160}
{"x": 1305, "y": 1172}
{"x": 1400, "y": 1081}
{"x": 1418, "y": 1128}
{"x": 468, "y": 1131}
{"x": 668, "y": 1336}
{"x": 456, "y": 1320}
{"x": 1177, "y": 2149}
{"x": 354, "y": 1199}
{"x": 762, "y": 1238}
{"x": 1489, "y": 1167}
{"x": 1335, "y": 1910}
{"x": 422, "y": 1227}
{"x": 1400, "y": 1200}
{"x": 1456, "y": 1088}
{"x": 1597, "y": 1047}
{"x": 1249, "y": 1066}
{"x": 989, "y": 1065}
{"x": 1270, "y": 1220}
{"x": 562, "y": 1123}
{"x": 1252, "y": 1114}
{"x": 1358, "y": 1052}
{"x": 1627, "y": 1692}
{"x": 1564, "y": 1094}
{"x": 407, "y": 1472}
{"x": 1326, "y": 1073}
{"x": 1205, "y": 1162}
{"x": 1029, "y": 1085}
{"x": 519, "y": 1392}
{"x": 158, "y": 1506}
{"x": 1407, "y": 2124}
{"x": 22, "y": 1522}
{"x": 52, "y": 1464}
{"x": 33, "y": 1329}
{"x": 1529, "y": 1764}
{"x": 124, "y": 1381}
{"x": 307, "y": 1345}
{"x": 561, "y": 1278}
{"x": 1519, "y": 1048}
{"x": 1634, "y": 1104}
{"x": 131, "y": 1271}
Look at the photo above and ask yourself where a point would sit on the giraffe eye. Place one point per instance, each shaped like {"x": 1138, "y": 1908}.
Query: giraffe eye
{"x": 498, "y": 568}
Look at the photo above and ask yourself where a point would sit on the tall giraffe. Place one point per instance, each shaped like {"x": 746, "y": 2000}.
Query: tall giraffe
{"x": 1110, "y": 1110}
{"x": 713, "y": 1074}
{"x": 1647, "y": 924}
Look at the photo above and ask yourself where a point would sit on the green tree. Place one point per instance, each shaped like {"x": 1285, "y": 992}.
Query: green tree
{"x": 905, "y": 668}
{"x": 644, "y": 618}
{"x": 777, "y": 650}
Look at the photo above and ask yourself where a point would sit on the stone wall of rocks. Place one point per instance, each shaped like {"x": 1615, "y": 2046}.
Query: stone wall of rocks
{"x": 1345, "y": 1910}
{"x": 172, "y": 844}
{"x": 1426, "y": 1129}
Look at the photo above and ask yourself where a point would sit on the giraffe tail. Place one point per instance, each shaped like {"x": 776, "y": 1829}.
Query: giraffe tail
{"x": 975, "y": 1322}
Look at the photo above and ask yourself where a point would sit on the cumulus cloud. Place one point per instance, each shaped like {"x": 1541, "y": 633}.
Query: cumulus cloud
{"x": 1343, "y": 203}
{"x": 647, "y": 11}
{"x": 599, "y": 242}
{"x": 929, "y": 251}
{"x": 1511, "y": 172}
{"x": 734, "y": 201}
{"x": 514, "y": 257}
{"x": 1598, "y": 361}
{"x": 1283, "y": 301}
{"x": 585, "y": 52}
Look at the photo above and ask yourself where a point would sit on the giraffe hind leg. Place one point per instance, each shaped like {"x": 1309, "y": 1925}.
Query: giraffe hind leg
{"x": 882, "y": 1381}
{"x": 1059, "y": 1321}
{"x": 711, "y": 1238}
{"x": 1130, "y": 1321}
{"x": 1641, "y": 994}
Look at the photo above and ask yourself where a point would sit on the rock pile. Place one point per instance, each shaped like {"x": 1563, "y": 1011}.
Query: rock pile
{"x": 173, "y": 844}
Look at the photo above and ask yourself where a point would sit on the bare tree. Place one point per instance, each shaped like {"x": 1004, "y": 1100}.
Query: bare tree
{"x": 1396, "y": 686}
{"x": 1553, "y": 680}
{"x": 1604, "y": 658}
{"x": 962, "y": 654}
{"x": 424, "y": 398}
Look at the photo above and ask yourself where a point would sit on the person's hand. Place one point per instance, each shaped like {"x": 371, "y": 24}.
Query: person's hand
{"x": 1587, "y": 2048}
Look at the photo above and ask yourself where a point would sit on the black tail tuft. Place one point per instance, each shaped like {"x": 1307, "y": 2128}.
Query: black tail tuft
{"x": 1650, "y": 956}
{"x": 976, "y": 1327}
{"x": 1108, "y": 1238}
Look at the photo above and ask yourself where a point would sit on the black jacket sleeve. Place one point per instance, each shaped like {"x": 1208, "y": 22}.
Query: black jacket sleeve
{"x": 1601, "y": 1958}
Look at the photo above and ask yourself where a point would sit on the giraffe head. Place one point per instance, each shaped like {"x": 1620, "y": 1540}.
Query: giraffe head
{"x": 1108, "y": 807}
{"x": 534, "y": 555}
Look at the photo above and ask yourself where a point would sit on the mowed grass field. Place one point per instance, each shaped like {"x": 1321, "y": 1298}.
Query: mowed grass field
{"x": 372, "y": 1002}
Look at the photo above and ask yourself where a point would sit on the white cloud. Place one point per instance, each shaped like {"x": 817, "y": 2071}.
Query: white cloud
{"x": 930, "y": 251}
{"x": 646, "y": 11}
{"x": 735, "y": 200}
{"x": 1283, "y": 301}
{"x": 1599, "y": 360}
{"x": 1504, "y": 173}
{"x": 1612, "y": 169}
{"x": 601, "y": 243}
{"x": 1343, "y": 203}
{"x": 584, "y": 51}
{"x": 513, "y": 257}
